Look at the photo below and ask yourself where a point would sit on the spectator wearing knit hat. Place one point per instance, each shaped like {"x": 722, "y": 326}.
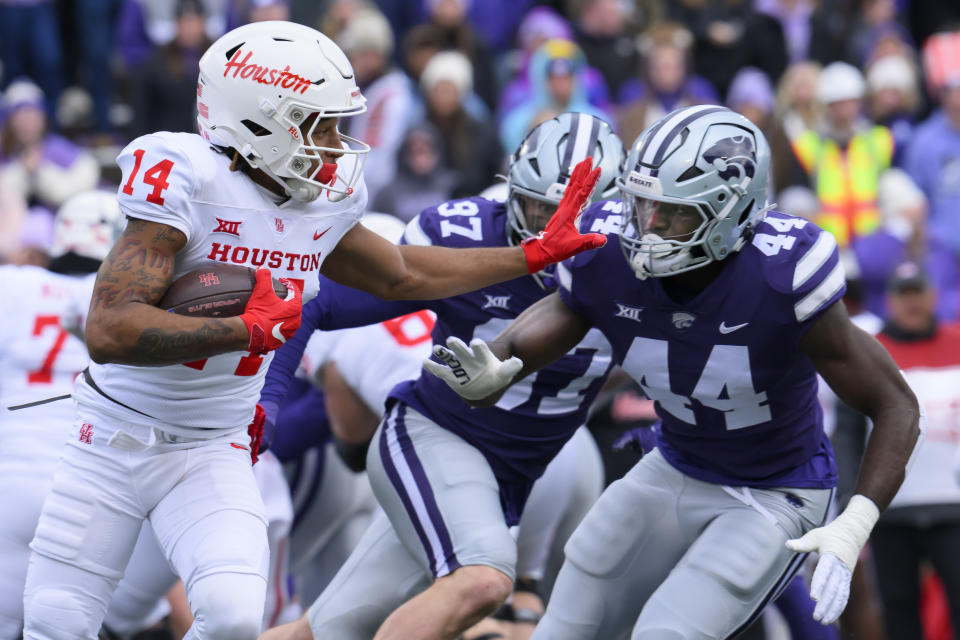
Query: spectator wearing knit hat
{"x": 36, "y": 238}
{"x": 449, "y": 18}
{"x": 36, "y": 167}
{"x": 470, "y": 144}
{"x": 557, "y": 72}
{"x": 893, "y": 99}
{"x": 367, "y": 39}
{"x": 539, "y": 25}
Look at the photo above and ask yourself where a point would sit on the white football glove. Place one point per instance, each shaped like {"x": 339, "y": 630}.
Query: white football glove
{"x": 839, "y": 544}
{"x": 473, "y": 372}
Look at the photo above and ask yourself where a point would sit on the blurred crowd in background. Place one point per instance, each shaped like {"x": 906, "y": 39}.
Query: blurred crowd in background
{"x": 859, "y": 99}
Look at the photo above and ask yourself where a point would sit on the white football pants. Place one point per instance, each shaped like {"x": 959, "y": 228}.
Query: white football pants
{"x": 202, "y": 502}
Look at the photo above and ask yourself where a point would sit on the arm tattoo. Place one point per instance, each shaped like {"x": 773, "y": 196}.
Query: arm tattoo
{"x": 161, "y": 347}
{"x": 134, "y": 272}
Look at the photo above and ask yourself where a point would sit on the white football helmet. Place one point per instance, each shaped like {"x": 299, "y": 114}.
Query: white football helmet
{"x": 87, "y": 224}
{"x": 703, "y": 167}
{"x": 259, "y": 83}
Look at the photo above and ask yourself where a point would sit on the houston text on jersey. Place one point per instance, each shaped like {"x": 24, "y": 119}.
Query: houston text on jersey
{"x": 264, "y": 257}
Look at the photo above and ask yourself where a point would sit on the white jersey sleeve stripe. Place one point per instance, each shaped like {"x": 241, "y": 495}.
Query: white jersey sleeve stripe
{"x": 815, "y": 258}
{"x": 415, "y": 235}
{"x": 824, "y": 291}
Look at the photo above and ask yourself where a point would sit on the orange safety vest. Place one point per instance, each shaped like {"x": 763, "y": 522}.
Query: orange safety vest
{"x": 846, "y": 179}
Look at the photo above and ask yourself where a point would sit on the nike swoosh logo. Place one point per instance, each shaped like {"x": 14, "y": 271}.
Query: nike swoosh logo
{"x": 317, "y": 236}
{"x": 276, "y": 333}
{"x": 725, "y": 329}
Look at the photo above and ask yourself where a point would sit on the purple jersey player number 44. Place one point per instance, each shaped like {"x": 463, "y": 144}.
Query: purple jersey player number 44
{"x": 724, "y": 313}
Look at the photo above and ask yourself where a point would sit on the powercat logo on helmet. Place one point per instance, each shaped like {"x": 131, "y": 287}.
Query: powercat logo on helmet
{"x": 733, "y": 157}
{"x": 264, "y": 75}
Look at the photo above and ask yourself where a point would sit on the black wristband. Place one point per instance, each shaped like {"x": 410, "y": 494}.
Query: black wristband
{"x": 527, "y": 585}
{"x": 505, "y": 613}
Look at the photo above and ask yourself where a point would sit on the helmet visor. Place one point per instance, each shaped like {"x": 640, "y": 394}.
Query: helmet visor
{"x": 661, "y": 238}
{"x": 670, "y": 221}
{"x": 531, "y": 214}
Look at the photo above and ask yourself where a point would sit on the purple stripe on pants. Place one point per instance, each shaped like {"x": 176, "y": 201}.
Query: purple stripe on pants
{"x": 426, "y": 492}
{"x": 391, "y": 470}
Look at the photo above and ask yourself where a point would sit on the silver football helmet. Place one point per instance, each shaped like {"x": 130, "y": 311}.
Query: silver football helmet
{"x": 693, "y": 187}
{"x": 540, "y": 168}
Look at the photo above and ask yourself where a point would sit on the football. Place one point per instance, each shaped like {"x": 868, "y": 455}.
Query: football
{"x": 215, "y": 291}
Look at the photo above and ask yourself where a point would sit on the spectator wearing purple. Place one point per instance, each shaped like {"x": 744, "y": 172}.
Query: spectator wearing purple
{"x": 133, "y": 43}
{"x": 496, "y": 20}
{"x": 601, "y": 31}
{"x": 30, "y": 46}
{"x": 35, "y": 239}
{"x": 38, "y": 167}
{"x": 539, "y": 25}
{"x": 933, "y": 157}
{"x": 557, "y": 70}
{"x": 665, "y": 83}
{"x": 901, "y": 237}
{"x": 874, "y": 28}
{"x": 795, "y": 20}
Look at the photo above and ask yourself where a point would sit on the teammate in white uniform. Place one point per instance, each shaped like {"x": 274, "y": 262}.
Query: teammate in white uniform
{"x": 40, "y": 358}
{"x": 160, "y": 424}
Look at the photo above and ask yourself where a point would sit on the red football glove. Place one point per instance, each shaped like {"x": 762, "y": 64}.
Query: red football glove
{"x": 255, "y": 430}
{"x": 270, "y": 320}
{"x": 561, "y": 239}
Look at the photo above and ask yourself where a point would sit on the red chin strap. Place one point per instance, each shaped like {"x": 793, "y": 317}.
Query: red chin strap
{"x": 327, "y": 173}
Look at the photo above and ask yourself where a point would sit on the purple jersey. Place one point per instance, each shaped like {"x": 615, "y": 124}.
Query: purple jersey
{"x": 737, "y": 399}
{"x": 533, "y": 420}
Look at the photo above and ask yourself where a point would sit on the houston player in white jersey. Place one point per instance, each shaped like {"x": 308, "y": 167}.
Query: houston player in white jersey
{"x": 40, "y": 359}
{"x": 162, "y": 415}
